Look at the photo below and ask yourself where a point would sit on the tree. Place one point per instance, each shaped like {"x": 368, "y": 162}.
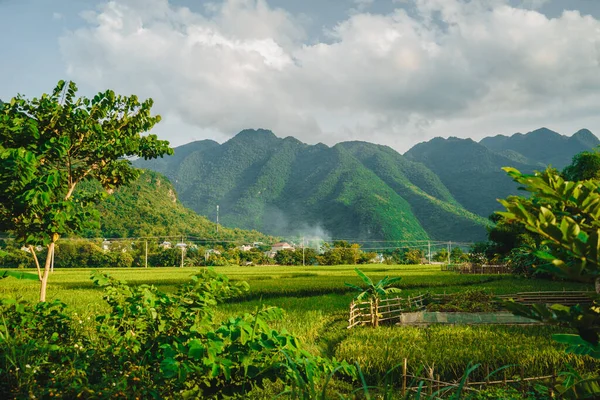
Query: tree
{"x": 566, "y": 215}
{"x": 50, "y": 145}
{"x": 585, "y": 165}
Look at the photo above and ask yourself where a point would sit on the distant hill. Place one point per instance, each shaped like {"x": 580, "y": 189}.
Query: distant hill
{"x": 149, "y": 207}
{"x": 443, "y": 189}
{"x": 543, "y": 146}
{"x": 353, "y": 190}
{"x": 472, "y": 171}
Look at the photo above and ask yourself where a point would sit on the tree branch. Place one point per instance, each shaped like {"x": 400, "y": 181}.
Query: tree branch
{"x": 37, "y": 263}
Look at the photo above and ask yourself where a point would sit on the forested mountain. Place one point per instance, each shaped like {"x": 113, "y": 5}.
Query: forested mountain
{"x": 442, "y": 189}
{"x": 543, "y": 146}
{"x": 472, "y": 171}
{"x": 149, "y": 207}
{"x": 353, "y": 190}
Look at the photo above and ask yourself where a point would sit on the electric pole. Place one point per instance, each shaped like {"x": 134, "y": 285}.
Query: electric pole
{"x": 217, "y": 219}
{"x": 146, "y": 257}
{"x": 303, "y": 258}
{"x": 182, "y": 250}
{"x": 429, "y": 251}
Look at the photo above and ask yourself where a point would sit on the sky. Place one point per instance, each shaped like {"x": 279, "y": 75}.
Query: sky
{"x": 392, "y": 72}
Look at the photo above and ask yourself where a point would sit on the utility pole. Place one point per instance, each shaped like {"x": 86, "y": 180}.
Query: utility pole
{"x": 146, "y": 257}
{"x": 429, "y": 251}
{"x": 217, "y": 219}
{"x": 303, "y": 259}
{"x": 449, "y": 249}
{"x": 182, "y": 250}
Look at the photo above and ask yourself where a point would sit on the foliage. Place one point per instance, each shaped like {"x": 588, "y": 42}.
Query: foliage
{"x": 51, "y": 144}
{"x": 585, "y": 165}
{"x": 153, "y": 344}
{"x": 148, "y": 206}
{"x": 566, "y": 215}
{"x": 374, "y": 290}
{"x": 470, "y": 300}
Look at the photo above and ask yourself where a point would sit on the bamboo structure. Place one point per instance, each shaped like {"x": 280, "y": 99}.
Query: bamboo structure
{"x": 389, "y": 310}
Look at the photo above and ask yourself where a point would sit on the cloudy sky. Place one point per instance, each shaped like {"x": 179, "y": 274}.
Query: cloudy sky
{"x": 394, "y": 72}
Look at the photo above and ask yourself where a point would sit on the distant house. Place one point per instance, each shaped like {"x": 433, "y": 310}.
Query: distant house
{"x": 181, "y": 245}
{"x": 165, "y": 245}
{"x": 106, "y": 245}
{"x": 210, "y": 252}
{"x": 378, "y": 259}
{"x": 281, "y": 246}
{"x": 245, "y": 247}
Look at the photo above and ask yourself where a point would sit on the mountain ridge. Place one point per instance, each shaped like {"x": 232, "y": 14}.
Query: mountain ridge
{"x": 442, "y": 189}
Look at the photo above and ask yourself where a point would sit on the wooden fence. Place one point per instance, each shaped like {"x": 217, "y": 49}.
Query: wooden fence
{"x": 469, "y": 268}
{"x": 432, "y": 383}
{"x": 375, "y": 311}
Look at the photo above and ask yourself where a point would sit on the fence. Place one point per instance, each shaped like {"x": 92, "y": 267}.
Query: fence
{"x": 375, "y": 310}
{"x": 469, "y": 268}
{"x": 432, "y": 383}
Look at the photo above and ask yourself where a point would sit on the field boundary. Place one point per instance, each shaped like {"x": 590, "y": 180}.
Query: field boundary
{"x": 375, "y": 310}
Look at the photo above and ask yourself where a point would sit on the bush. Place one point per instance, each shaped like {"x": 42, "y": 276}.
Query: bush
{"x": 152, "y": 344}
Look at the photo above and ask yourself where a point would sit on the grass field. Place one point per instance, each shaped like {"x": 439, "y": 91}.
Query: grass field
{"x": 316, "y": 303}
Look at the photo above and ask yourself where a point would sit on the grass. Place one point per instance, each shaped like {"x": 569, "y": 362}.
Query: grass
{"x": 316, "y": 303}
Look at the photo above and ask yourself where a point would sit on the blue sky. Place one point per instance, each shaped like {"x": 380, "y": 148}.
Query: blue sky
{"x": 393, "y": 72}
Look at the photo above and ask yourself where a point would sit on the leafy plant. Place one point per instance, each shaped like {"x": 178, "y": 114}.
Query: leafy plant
{"x": 49, "y": 145}
{"x": 374, "y": 290}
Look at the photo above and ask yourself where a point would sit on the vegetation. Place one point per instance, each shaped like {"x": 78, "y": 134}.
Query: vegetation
{"x": 149, "y": 206}
{"x": 316, "y": 302}
{"x": 51, "y": 144}
{"x": 472, "y": 171}
{"x": 152, "y": 344}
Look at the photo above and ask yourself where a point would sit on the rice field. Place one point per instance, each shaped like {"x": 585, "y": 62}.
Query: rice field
{"x": 316, "y": 303}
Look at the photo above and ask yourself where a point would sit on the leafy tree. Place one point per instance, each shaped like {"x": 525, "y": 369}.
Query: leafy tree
{"x": 566, "y": 215}
{"x": 441, "y": 255}
{"x": 49, "y": 145}
{"x": 585, "y": 165}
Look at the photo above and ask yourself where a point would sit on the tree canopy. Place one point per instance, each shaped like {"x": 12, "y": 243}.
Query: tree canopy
{"x": 48, "y": 145}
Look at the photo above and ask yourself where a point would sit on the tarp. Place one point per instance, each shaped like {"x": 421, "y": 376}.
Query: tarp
{"x": 425, "y": 318}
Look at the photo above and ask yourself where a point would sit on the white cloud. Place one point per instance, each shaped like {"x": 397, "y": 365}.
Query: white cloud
{"x": 450, "y": 68}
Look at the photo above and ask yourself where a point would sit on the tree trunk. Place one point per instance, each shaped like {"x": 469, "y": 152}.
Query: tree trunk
{"x": 44, "y": 283}
{"x": 597, "y": 285}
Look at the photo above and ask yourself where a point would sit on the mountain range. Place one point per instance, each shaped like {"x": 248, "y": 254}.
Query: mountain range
{"x": 443, "y": 189}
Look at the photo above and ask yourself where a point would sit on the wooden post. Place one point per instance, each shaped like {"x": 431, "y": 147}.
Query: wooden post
{"x": 523, "y": 388}
{"x": 438, "y": 385}
{"x": 404, "y": 368}
{"x": 431, "y": 380}
{"x": 372, "y": 313}
{"x": 487, "y": 374}
{"x": 376, "y": 312}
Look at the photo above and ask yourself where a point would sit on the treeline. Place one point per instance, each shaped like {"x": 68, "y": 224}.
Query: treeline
{"x": 85, "y": 253}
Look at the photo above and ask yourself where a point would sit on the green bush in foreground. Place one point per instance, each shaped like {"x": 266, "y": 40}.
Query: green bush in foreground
{"x": 152, "y": 345}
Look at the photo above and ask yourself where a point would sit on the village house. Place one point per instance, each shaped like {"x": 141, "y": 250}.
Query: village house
{"x": 281, "y": 246}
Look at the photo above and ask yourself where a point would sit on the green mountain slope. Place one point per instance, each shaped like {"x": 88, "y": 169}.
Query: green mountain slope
{"x": 284, "y": 187}
{"x": 149, "y": 207}
{"x": 544, "y": 146}
{"x": 471, "y": 172}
